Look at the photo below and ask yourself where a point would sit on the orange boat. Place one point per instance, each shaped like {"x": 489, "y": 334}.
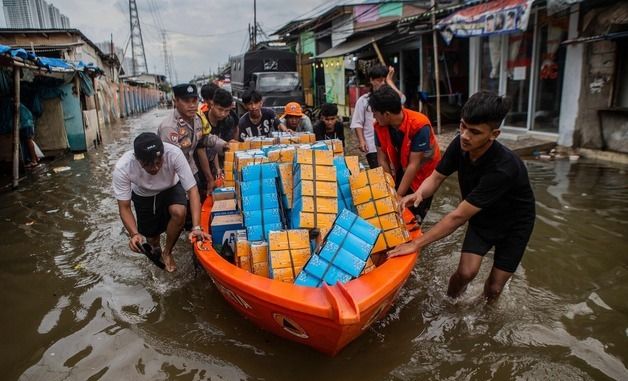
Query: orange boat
{"x": 326, "y": 318}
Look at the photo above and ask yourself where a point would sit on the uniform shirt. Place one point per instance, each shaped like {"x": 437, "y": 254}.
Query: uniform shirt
{"x": 269, "y": 122}
{"x": 175, "y": 130}
{"x": 129, "y": 176}
{"x": 363, "y": 118}
{"x": 305, "y": 124}
{"x": 497, "y": 182}
{"x": 322, "y": 134}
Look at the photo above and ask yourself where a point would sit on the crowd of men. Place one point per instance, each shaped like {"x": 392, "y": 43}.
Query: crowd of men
{"x": 169, "y": 173}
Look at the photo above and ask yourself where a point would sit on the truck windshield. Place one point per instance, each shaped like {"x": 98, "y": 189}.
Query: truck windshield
{"x": 272, "y": 82}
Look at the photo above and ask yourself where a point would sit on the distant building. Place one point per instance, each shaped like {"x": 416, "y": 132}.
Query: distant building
{"x": 32, "y": 14}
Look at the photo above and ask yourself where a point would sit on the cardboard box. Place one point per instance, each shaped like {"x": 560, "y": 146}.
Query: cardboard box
{"x": 262, "y": 217}
{"x": 286, "y": 188}
{"x": 224, "y": 229}
{"x": 316, "y": 188}
{"x": 318, "y": 157}
{"x": 259, "y": 258}
{"x": 258, "y": 187}
{"x": 289, "y": 239}
{"x": 258, "y": 172}
{"x": 318, "y": 205}
{"x": 224, "y": 193}
{"x": 224, "y": 207}
{"x": 260, "y": 202}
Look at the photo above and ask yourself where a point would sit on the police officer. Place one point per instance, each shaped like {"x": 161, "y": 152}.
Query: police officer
{"x": 183, "y": 128}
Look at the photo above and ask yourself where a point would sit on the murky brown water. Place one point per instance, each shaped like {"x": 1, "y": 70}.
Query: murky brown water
{"x": 78, "y": 305}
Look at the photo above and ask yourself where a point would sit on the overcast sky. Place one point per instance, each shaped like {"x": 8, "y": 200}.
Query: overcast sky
{"x": 201, "y": 33}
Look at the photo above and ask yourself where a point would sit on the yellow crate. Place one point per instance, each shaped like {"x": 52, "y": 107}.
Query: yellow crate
{"x": 289, "y": 239}
{"x": 367, "y": 210}
{"x": 390, "y": 239}
{"x": 319, "y": 204}
{"x": 261, "y": 269}
{"x": 322, "y": 172}
{"x": 318, "y": 157}
{"x": 323, "y": 188}
{"x": 387, "y": 221}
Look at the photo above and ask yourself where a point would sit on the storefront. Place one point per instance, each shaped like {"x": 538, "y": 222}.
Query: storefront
{"x": 516, "y": 50}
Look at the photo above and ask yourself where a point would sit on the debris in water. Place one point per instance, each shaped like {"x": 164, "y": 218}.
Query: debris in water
{"x": 52, "y": 211}
{"x": 29, "y": 223}
{"x": 60, "y": 169}
{"x": 79, "y": 156}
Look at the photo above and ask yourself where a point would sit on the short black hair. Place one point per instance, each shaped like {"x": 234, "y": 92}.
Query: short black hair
{"x": 329, "y": 109}
{"x": 385, "y": 99}
{"x": 378, "y": 71}
{"x": 486, "y": 107}
{"x": 208, "y": 90}
{"x": 222, "y": 98}
{"x": 251, "y": 96}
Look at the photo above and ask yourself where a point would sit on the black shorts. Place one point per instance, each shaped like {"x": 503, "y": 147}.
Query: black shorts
{"x": 152, "y": 212}
{"x": 509, "y": 246}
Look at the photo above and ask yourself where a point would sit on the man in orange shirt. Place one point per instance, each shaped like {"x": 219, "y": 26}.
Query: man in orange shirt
{"x": 406, "y": 144}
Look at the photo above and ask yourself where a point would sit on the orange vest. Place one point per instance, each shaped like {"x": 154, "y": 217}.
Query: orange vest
{"x": 412, "y": 122}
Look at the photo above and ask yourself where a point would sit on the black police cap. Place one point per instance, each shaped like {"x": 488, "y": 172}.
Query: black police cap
{"x": 185, "y": 90}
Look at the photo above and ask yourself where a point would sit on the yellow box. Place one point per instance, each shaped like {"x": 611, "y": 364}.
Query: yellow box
{"x": 396, "y": 236}
{"x": 323, "y": 188}
{"x": 229, "y": 174}
{"x": 367, "y": 210}
{"x": 318, "y": 157}
{"x": 287, "y": 275}
{"x": 289, "y": 258}
{"x": 289, "y": 239}
{"x": 319, "y": 204}
{"x": 353, "y": 163}
{"x": 230, "y": 156}
{"x": 283, "y": 155}
{"x": 322, "y": 172}
{"x": 259, "y": 251}
{"x": 316, "y": 220}
{"x": 261, "y": 269}
{"x": 334, "y": 145}
{"x": 370, "y": 266}
{"x": 229, "y": 183}
{"x": 380, "y": 244}
{"x": 387, "y": 221}
{"x": 385, "y": 206}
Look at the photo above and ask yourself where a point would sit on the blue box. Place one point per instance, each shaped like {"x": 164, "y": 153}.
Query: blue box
{"x": 261, "y": 233}
{"x": 358, "y": 227}
{"x": 260, "y": 202}
{"x": 260, "y": 171}
{"x": 262, "y": 217}
{"x": 257, "y": 187}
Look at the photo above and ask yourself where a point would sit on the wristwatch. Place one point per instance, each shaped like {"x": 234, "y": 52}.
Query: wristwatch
{"x": 197, "y": 227}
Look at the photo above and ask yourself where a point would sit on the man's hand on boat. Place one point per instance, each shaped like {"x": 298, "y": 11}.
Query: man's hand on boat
{"x": 413, "y": 199}
{"x": 411, "y": 247}
{"x": 198, "y": 235}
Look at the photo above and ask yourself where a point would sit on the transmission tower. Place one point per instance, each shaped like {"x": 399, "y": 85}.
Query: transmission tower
{"x": 167, "y": 63}
{"x": 137, "y": 42}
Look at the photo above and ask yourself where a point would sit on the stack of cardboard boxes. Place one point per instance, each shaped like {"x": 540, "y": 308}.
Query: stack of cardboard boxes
{"x": 375, "y": 199}
{"x": 289, "y": 251}
{"x": 315, "y": 199}
{"x": 260, "y": 200}
{"x": 345, "y": 167}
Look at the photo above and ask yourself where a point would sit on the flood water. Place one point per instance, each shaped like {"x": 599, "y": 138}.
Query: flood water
{"x": 77, "y": 304}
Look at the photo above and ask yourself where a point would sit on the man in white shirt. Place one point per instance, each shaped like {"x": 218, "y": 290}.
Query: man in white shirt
{"x": 156, "y": 176}
{"x": 362, "y": 120}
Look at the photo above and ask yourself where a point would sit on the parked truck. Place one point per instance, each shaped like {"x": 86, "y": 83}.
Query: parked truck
{"x": 272, "y": 72}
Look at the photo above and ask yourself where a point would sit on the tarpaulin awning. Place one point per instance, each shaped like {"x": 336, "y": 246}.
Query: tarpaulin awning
{"x": 48, "y": 63}
{"x": 353, "y": 45}
{"x": 493, "y": 17}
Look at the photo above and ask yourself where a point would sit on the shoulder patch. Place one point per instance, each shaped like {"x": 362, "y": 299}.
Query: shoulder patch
{"x": 174, "y": 137}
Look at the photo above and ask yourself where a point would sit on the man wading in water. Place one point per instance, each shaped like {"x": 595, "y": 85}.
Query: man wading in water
{"x": 497, "y": 198}
{"x": 156, "y": 177}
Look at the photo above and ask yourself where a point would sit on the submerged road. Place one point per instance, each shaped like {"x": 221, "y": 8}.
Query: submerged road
{"x": 78, "y": 305}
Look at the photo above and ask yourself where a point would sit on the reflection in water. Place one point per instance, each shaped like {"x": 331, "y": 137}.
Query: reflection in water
{"x": 79, "y": 305}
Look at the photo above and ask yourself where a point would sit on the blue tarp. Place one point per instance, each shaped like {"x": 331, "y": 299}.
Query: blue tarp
{"x": 49, "y": 63}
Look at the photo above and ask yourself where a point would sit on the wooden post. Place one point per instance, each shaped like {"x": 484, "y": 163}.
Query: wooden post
{"x": 16, "y": 126}
{"x": 379, "y": 53}
{"x": 436, "y": 68}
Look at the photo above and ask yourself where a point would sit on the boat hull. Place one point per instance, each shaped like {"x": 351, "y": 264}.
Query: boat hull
{"x": 325, "y": 318}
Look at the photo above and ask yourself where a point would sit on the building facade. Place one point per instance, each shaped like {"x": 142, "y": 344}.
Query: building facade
{"x": 33, "y": 14}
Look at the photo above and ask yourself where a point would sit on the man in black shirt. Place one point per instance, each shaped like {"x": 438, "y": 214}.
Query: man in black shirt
{"x": 258, "y": 121}
{"x": 329, "y": 127}
{"x": 497, "y": 198}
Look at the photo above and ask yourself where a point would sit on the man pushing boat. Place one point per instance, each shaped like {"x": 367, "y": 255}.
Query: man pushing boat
{"x": 498, "y": 201}
{"x": 156, "y": 176}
